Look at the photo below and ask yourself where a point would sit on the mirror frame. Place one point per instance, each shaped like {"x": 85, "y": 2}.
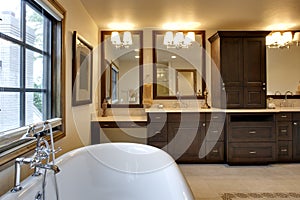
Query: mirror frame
{"x": 282, "y": 96}
{"x": 162, "y": 32}
{"x": 104, "y": 67}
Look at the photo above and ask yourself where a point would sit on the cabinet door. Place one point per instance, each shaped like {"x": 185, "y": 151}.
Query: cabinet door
{"x": 184, "y": 141}
{"x": 296, "y": 141}
{"x": 232, "y": 71}
{"x": 232, "y": 62}
{"x": 157, "y": 134}
{"x": 254, "y": 72}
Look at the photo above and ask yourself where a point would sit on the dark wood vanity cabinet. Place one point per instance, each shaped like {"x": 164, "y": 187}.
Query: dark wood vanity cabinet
{"x": 157, "y": 130}
{"x": 214, "y": 137}
{"x": 296, "y": 137}
{"x": 188, "y": 137}
{"x": 186, "y": 132}
{"x": 240, "y": 59}
{"x": 284, "y": 137}
{"x": 251, "y": 138}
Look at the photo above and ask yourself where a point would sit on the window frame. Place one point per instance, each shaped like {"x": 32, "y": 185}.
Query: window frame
{"x": 56, "y": 82}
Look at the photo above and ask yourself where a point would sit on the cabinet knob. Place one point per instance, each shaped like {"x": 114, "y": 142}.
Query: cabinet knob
{"x": 263, "y": 83}
{"x": 295, "y": 123}
{"x": 263, "y": 88}
{"x": 203, "y": 124}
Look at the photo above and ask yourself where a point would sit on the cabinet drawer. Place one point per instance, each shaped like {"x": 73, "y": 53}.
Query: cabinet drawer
{"x": 251, "y": 152}
{"x": 283, "y": 116}
{"x": 215, "y": 131}
{"x": 108, "y": 124}
{"x": 284, "y": 130}
{"x": 157, "y": 117}
{"x": 216, "y": 117}
{"x": 214, "y": 151}
{"x": 284, "y": 150}
{"x": 157, "y": 132}
{"x": 186, "y": 117}
{"x": 252, "y": 134}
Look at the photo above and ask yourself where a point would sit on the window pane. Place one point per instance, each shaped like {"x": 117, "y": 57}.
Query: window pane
{"x": 34, "y": 28}
{"x": 34, "y": 70}
{"x": 10, "y": 110}
{"x": 34, "y": 107}
{"x": 10, "y": 15}
{"x": 10, "y": 64}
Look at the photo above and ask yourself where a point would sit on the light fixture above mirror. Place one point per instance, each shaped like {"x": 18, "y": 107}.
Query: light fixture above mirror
{"x": 179, "y": 40}
{"x": 118, "y": 43}
{"x": 284, "y": 39}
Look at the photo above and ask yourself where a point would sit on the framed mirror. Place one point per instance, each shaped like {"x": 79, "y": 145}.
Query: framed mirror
{"x": 122, "y": 68}
{"x": 283, "y": 70}
{"x": 179, "y": 64}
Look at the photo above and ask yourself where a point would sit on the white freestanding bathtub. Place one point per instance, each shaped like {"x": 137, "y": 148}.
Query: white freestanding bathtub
{"x": 112, "y": 171}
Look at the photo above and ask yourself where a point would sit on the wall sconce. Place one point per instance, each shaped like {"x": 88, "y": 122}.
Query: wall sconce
{"x": 179, "y": 40}
{"x": 282, "y": 40}
{"x": 116, "y": 39}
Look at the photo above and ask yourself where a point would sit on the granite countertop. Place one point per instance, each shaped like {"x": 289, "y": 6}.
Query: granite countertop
{"x": 279, "y": 109}
{"x": 122, "y": 118}
{"x": 143, "y": 118}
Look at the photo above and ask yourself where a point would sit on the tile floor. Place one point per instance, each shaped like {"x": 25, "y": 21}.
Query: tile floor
{"x": 209, "y": 181}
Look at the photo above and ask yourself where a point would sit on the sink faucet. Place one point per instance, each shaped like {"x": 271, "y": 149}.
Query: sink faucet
{"x": 285, "y": 101}
{"x": 286, "y": 93}
{"x": 42, "y": 152}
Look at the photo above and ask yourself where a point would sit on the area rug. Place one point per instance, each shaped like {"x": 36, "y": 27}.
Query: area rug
{"x": 262, "y": 196}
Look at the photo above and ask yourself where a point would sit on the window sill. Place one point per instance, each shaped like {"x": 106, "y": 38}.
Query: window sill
{"x": 7, "y": 159}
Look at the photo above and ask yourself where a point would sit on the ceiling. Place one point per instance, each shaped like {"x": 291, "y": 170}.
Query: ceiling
{"x": 196, "y": 14}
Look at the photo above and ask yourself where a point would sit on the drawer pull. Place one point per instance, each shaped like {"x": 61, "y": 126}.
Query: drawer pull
{"x": 215, "y": 151}
{"x": 106, "y": 125}
{"x": 157, "y": 132}
{"x": 283, "y": 116}
{"x": 215, "y": 117}
{"x": 252, "y": 152}
{"x": 283, "y": 131}
{"x": 133, "y": 125}
{"x": 283, "y": 150}
{"x": 252, "y": 132}
{"x": 215, "y": 131}
{"x": 157, "y": 117}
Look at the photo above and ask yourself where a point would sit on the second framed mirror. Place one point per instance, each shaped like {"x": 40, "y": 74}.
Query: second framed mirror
{"x": 179, "y": 64}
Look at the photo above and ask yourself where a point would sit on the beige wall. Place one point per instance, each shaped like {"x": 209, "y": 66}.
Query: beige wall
{"x": 77, "y": 118}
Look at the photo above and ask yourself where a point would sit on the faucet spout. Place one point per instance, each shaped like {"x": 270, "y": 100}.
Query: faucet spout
{"x": 288, "y": 92}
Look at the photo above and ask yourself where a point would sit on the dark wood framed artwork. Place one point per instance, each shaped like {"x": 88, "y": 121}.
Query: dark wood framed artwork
{"x": 82, "y": 72}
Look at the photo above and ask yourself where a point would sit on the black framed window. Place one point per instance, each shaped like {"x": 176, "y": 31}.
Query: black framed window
{"x": 30, "y": 45}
